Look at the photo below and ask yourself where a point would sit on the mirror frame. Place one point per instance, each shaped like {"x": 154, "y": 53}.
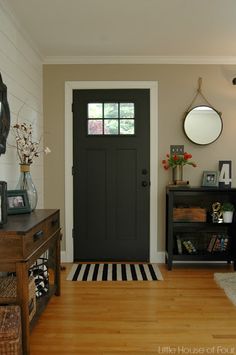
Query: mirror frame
{"x": 4, "y": 117}
{"x": 219, "y": 115}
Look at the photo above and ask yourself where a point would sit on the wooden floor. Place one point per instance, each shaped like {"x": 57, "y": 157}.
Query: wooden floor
{"x": 184, "y": 314}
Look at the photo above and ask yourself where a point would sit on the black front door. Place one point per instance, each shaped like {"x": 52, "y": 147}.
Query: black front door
{"x": 111, "y": 160}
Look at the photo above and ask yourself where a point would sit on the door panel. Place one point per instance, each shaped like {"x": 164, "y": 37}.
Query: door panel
{"x": 126, "y": 187}
{"x": 110, "y": 154}
{"x": 96, "y": 195}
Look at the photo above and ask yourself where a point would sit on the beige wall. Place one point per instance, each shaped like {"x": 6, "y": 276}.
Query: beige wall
{"x": 177, "y": 85}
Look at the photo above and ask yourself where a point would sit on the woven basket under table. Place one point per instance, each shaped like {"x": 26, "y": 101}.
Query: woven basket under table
{"x": 8, "y": 291}
{"x": 10, "y": 330}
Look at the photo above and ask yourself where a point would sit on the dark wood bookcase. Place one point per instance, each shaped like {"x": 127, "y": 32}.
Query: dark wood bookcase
{"x": 202, "y": 236}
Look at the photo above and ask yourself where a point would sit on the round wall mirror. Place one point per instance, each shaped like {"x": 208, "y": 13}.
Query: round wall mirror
{"x": 203, "y": 125}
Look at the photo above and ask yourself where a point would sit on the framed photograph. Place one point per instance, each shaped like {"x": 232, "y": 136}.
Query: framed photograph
{"x": 17, "y": 202}
{"x": 210, "y": 178}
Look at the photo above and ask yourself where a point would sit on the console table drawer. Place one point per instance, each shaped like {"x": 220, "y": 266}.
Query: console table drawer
{"x": 33, "y": 239}
{"x": 41, "y": 233}
{"x": 23, "y": 241}
{"x": 52, "y": 224}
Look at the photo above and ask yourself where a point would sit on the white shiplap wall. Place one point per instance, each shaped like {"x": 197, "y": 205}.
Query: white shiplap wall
{"x": 21, "y": 70}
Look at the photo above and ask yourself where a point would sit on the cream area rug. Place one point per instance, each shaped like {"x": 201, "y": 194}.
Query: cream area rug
{"x": 227, "y": 281}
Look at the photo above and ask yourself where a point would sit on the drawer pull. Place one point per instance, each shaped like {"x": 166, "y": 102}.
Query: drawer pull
{"x": 38, "y": 235}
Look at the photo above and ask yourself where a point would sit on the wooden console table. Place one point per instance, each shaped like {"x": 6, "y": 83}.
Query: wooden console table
{"x": 22, "y": 241}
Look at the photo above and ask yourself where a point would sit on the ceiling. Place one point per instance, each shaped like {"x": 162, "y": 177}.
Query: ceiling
{"x": 144, "y": 28}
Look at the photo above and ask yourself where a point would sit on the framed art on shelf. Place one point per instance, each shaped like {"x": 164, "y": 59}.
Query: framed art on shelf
{"x": 17, "y": 202}
{"x": 225, "y": 173}
{"x": 210, "y": 179}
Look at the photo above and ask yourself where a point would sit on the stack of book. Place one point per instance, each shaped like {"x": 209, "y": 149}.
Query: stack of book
{"x": 187, "y": 244}
{"x": 179, "y": 183}
{"x": 189, "y": 247}
{"x": 218, "y": 243}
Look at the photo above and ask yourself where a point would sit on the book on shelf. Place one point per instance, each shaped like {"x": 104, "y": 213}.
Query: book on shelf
{"x": 221, "y": 244}
{"x": 189, "y": 247}
{"x": 179, "y": 244}
{"x": 211, "y": 243}
{"x": 218, "y": 243}
{"x": 180, "y": 184}
{"x": 225, "y": 243}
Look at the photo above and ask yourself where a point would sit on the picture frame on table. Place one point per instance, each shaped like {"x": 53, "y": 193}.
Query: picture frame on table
{"x": 17, "y": 202}
{"x": 3, "y": 203}
{"x": 210, "y": 178}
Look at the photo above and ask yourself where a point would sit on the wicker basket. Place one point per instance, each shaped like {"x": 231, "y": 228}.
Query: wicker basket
{"x": 8, "y": 291}
{"x": 8, "y": 287}
{"x": 10, "y": 330}
{"x": 32, "y": 298}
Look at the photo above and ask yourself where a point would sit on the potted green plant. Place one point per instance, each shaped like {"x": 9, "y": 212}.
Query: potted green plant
{"x": 227, "y": 209}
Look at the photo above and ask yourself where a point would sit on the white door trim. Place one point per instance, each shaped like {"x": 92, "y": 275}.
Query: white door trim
{"x": 74, "y": 85}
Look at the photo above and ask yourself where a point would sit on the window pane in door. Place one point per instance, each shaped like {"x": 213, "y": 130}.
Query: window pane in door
{"x": 127, "y": 110}
{"x": 127, "y": 127}
{"x": 95, "y": 110}
{"x": 95, "y": 127}
{"x": 111, "y": 110}
{"x": 111, "y": 127}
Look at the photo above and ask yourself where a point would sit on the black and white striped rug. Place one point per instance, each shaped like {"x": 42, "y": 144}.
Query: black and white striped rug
{"x": 114, "y": 272}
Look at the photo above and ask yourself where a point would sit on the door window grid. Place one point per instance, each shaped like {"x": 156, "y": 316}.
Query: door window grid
{"x": 111, "y": 119}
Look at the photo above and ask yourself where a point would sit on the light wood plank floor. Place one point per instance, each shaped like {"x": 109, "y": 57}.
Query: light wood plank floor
{"x": 186, "y": 312}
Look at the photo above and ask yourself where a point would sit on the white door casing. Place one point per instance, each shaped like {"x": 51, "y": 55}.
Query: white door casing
{"x": 67, "y": 256}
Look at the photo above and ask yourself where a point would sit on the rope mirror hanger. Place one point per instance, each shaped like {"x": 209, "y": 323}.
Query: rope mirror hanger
{"x": 202, "y": 123}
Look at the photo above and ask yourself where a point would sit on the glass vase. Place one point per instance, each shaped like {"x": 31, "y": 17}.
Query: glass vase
{"x": 26, "y": 183}
{"x": 177, "y": 174}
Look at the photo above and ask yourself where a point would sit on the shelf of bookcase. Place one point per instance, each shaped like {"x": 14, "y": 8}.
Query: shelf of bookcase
{"x": 204, "y": 257}
{"x": 200, "y": 224}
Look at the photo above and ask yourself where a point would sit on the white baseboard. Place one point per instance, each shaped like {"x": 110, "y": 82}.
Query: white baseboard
{"x": 63, "y": 257}
{"x": 161, "y": 257}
